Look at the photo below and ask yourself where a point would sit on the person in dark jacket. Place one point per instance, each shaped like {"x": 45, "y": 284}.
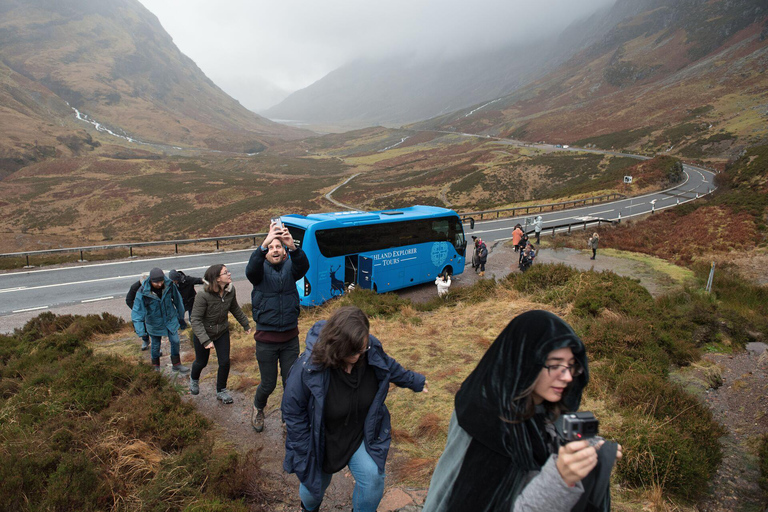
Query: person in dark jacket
{"x": 186, "y": 285}
{"x": 273, "y": 272}
{"x": 334, "y": 409}
{"x": 159, "y": 311}
{"x": 502, "y": 451}
{"x": 210, "y": 326}
{"x": 129, "y": 300}
{"x": 481, "y": 252}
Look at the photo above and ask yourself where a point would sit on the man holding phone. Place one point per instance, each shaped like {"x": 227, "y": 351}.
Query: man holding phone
{"x": 273, "y": 270}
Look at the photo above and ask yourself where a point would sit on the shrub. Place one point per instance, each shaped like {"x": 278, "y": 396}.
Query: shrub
{"x": 762, "y": 455}
{"x": 542, "y": 277}
{"x": 84, "y": 431}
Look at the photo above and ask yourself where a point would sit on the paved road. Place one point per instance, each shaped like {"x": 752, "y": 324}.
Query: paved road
{"x": 26, "y": 293}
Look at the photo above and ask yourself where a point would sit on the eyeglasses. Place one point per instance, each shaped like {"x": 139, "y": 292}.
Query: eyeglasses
{"x": 560, "y": 369}
{"x": 366, "y": 349}
{"x": 226, "y": 273}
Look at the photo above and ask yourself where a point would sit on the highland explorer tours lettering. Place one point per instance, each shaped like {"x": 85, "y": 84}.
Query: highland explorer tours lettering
{"x": 393, "y": 257}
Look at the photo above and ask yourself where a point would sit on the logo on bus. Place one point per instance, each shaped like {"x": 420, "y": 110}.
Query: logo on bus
{"x": 439, "y": 253}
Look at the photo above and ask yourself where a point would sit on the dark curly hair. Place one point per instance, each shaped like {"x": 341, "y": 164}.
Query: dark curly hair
{"x": 344, "y": 335}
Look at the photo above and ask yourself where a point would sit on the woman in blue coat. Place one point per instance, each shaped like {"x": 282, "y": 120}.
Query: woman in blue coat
{"x": 334, "y": 411}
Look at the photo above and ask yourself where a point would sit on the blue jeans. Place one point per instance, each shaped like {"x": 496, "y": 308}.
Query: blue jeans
{"x": 369, "y": 484}
{"x": 173, "y": 338}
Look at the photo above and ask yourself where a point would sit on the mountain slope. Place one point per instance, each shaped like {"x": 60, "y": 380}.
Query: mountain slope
{"x": 683, "y": 75}
{"x": 114, "y": 62}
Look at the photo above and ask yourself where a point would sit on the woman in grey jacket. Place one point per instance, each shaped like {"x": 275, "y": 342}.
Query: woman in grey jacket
{"x": 210, "y": 325}
{"x": 502, "y": 453}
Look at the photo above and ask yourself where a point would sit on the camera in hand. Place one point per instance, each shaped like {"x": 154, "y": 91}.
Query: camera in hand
{"x": 575, "y": 426}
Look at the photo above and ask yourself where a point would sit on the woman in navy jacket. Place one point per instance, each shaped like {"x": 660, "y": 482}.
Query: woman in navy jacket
{"x": 334, "y": 411}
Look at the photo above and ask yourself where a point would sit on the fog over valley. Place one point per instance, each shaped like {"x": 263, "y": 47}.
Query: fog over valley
{"x": 261, "y": 52}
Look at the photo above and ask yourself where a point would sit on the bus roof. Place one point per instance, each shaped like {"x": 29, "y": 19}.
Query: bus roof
{"x": 356, "y": 218}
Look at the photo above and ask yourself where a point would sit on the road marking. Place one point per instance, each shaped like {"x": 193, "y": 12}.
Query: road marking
{"x": 6, "y": 290}
{"x": 29, "y": 309}
{"x": 94, "y": 300}
{"x": 123, "y": 262}
{"x": 116, "y": 278}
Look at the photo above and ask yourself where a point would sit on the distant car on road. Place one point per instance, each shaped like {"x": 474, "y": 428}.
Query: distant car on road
{"x": 565, "y": 146}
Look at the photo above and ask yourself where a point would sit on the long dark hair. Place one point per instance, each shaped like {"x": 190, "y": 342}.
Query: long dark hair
{"x": 211, "y": 278}
{"x": 344, "y": 335}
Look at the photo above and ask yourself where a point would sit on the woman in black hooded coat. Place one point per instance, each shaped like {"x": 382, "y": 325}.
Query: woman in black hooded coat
{"x": 502, "y": 453}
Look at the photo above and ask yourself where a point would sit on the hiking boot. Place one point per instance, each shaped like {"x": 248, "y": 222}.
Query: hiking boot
{"x": 194, "y": 386}
{"x": 223, "y": 395}
{"x": 177, "y": 366}
{"x": 257, "y": 419}
{"x": 156, "y": 364}
{"x": 144, "y": 344}
{"x": 481, "y": 274}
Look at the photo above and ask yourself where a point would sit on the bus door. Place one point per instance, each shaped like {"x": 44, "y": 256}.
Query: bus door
{"x": 365, "y": 272}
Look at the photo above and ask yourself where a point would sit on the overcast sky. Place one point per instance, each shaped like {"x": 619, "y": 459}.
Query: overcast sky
{"x": 259, "y": 51}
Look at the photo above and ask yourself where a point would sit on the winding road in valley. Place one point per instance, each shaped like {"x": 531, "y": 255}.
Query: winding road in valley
{"x": 102, "y": 286}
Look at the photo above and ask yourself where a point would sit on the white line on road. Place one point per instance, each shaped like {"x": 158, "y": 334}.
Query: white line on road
{"x": 94, "y": 300}
{"x": 12, "y": 289}
{"x": 122, "y": 262}
{"x": 29, "y": 309}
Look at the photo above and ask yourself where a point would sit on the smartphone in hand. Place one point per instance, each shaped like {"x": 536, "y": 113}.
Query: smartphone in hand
{"x": 278, "y": 222}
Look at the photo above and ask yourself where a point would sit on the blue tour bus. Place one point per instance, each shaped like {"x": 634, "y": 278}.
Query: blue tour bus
{"x": 380, "y": 251}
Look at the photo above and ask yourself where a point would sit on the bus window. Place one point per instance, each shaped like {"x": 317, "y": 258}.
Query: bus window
{"x": 297, "y": 234}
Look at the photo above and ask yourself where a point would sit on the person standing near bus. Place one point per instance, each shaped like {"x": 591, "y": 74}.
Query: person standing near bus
{"x": 273, "y": 270}
{"x": 481, "y": 251}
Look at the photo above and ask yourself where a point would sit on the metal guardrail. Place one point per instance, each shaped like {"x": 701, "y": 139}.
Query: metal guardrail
{"x": 131, "y": 246}
{"x": 540, "y": 207}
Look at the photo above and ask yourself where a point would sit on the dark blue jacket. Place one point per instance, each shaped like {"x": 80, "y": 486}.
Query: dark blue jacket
{"x": 157, "y": 315}
{"x": 274, "y": 299}
{"x": 303, "y": 408}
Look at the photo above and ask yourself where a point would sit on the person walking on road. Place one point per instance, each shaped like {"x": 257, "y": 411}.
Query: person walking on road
{"x": 186, "y": 285}
{"x": 537, "y": 229}
{"x": 335, "y": 412}
{"x": 130, "y": 298}
{"x": 273, "y": 272}
{"x": 159, "y": 311}
{"x": 592, "y": 244}
{"x": 210, "y": 326}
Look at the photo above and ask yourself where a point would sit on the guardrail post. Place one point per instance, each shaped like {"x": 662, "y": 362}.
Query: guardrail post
{"x": 177, "y": 248}
{"x": 27, "y": 259}
{"x": 585, "y": 225}
{"x": 553, "y": 231}
{"x": 217, "y": 245}
{"x": 81, "y": 255}
{"x": 569, "y": 228}
{"x": 254, "y": 241}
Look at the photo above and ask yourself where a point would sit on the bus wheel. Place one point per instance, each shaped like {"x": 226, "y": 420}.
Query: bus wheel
{"x": 447, "y": 271}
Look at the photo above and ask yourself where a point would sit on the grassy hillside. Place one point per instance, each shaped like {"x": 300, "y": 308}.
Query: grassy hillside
{"x": 86, "y": 431}
{"x": 635, "y": 343}
{"x": 683, "y": 77}
{"x": 114, "y": 62}
{"x": 93, "y": 199}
